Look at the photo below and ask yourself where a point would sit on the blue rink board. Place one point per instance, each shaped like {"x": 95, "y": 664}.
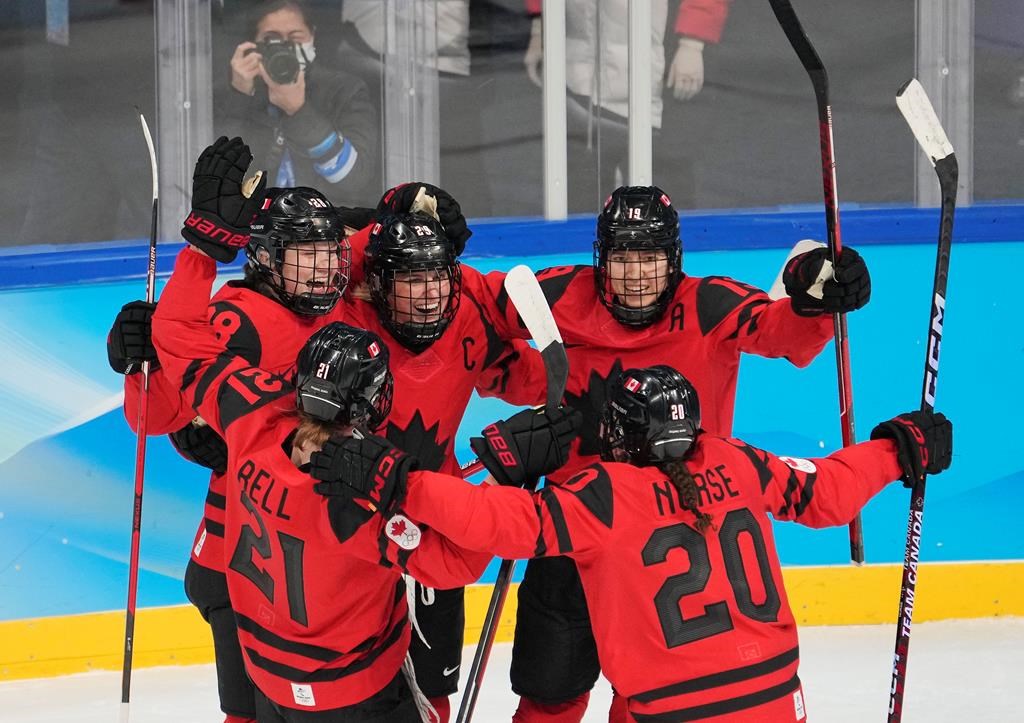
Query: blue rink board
{"x": 66, "y": 496}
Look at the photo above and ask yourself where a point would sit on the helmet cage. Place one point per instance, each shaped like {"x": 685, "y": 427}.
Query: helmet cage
{"x": 274, "y": 233}
{"x": 407, "y": 273}
{"x": 651, "y": 416}
{"x": 640, "y": 219}
{"x": 342, "y": 377}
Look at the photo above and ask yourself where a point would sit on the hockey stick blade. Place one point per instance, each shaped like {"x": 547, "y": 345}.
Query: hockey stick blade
{"x": 924, "y": 123}
{"x": 525, "y": 292}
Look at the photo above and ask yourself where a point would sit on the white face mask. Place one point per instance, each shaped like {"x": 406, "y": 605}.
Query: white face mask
{"x": 306, "y": 53}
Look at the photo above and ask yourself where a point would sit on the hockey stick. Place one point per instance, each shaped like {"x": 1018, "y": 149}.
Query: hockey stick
{"x": 920, "y": 116}
{"x": 526, "y": 295}
{"x": 140, "y": 452}
{"x": 787, "y": 18}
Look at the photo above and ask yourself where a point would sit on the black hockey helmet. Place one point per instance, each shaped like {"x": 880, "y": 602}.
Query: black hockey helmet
{"x": 651, "y": 415}
{"x": 413, "y": 245}
{"x": 342, "y": 377}
{"x": 292, "y": 216}
{"x": 637, "y": 218}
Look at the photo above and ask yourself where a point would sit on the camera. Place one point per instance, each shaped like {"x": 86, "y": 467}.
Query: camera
{"x": 280, "y": 60}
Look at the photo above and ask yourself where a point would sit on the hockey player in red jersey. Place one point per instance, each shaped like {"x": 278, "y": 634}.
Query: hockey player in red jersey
{"x": 318, "y": 594}
{"x": 636, "y": 307}
{"x": 298, "y": 268}
{"x": 442, "y": 348}
{"x": 670, "y": 532}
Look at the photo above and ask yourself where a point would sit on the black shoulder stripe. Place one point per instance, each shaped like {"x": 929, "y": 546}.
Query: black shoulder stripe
{"x": 596, "y": 495}
{"x": 234, "y": 404}
{"x": 746, "y": 320}
{"x": 550, "y": 500}
{"x": 764, "y": 474}
{"x": 554, "y": 282}
{"x": 807, "y": 493}
{"x": 717, "y": 297}
{"x": 190, "y": 374}
{"x": 203, "y": 386}
{"x": 216, "y": 500}
{"x": 792, "y": 486}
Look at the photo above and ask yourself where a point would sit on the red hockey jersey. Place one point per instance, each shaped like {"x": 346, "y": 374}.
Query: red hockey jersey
{"x": 707, "y": 325}
{"x": 249, "y": 325}
{"x": 322, "y": 623}
{"x": 688, "y": 625}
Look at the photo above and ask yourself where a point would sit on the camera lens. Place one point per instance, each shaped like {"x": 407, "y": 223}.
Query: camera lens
{"x": 280, "y": 61}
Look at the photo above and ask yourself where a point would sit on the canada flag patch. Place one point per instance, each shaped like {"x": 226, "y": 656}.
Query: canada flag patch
{"x": 266, "y": 203}
{"x": 800, "y": 464}
{"x": 403, "y": 532}
{"x": 374, "y": 349}
{"x": 631, "y": 384}
{"x": 665, "y": 200}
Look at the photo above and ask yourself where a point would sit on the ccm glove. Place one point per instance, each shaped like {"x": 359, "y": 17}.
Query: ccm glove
{"x": 130, "y": 341}
{"x": 527, "y": 445}
{"x": 199, "y": 443}
{"x": 435, "y": 202}
{"x": 221, "y": 209}
{"x": 370, "y": 469}
{"x": 924, "y": 443}
{"x": 846, "y": 288}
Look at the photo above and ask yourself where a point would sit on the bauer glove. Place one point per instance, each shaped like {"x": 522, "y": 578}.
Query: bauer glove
{"x": 527, "y": 445}
{"x": 845, "y": 288}
{"x": 924, "y": 443}
{"x": 426, "y": 198}
{"x": 222, "y": 208}
{"x": 130, "y": 341}
{"x": 198, "y": 442}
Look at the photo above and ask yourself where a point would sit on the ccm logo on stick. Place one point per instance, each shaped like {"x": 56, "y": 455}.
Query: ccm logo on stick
{"x": 931, "y": 374}
{"x": 499, "y": 446}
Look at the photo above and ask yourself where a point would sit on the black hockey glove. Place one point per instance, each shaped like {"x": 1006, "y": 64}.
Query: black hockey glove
{"x": 527, "y": 445}
{"x": 370, "y": 469}
{"x": 400, "y": 199}
{"x": 924, "y": 443}
{"x": 130, "y": 341}
{"x": 221, "y": 209}
{"x": 200, "y": 444}
{"x": 848, "y": 290}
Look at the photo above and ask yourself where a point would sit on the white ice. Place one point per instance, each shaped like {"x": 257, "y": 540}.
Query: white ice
{"x": 967, "y": 670}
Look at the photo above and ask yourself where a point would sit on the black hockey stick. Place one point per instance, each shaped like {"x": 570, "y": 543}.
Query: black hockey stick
{"x": 787, "y": 18}
{"x": 920, "y": 116}
{"x": 527, "y": 297}
{"x": 140, "y": 453}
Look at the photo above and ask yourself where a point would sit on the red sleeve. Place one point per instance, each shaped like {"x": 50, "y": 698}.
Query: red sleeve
{"x": 226, "y": 386}
{"x": 702, "y": 19}
{"x": 437, "y": 561}
{"x": 743, "y": 315}
{"x": 510, "y": 522}
{"x": 823, "y": 492}
{"x": 517, "y": 376}
{"x": 358, "y": 243}
{"x": 166, "y": 412}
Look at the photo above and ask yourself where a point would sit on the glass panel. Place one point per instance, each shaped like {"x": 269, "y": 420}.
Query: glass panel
{"x": 749, "y": 137}
{"x": 310, "y": 118}
{"x": 75, "y": 166}
{"x": 998, "y": 100}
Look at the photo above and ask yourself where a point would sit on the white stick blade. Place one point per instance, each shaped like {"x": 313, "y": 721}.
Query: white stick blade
{"x": 778, "y": 289}
{"x": 924, "y": 124}
{"x": 525, "y": 292}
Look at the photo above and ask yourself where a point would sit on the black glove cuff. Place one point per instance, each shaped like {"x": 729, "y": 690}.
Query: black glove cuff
{"x": 210, "y": 234}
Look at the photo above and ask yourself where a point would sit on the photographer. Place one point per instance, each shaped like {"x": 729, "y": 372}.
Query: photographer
{"x": 308, "y": 125}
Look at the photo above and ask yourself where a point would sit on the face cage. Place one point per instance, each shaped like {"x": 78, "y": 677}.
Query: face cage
{"x": 637, "y": 316}
{"x": 618, "y": 445}
{"x": 306, "y": 303}
{"x": 375, "y": 410}
{"x": 415, "y": 335}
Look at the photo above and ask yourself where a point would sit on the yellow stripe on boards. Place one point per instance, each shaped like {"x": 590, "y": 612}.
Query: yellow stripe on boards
{"x": 835, "y": 595}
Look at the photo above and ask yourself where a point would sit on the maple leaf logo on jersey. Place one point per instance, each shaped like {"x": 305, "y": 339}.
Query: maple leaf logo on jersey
{"x": 590, "y": 402}
{"x": 420, "y": 441}
{"x": 403, "y": 532}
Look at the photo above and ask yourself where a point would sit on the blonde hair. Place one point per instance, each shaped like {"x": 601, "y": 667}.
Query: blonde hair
{"x": 313, "y": 432}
